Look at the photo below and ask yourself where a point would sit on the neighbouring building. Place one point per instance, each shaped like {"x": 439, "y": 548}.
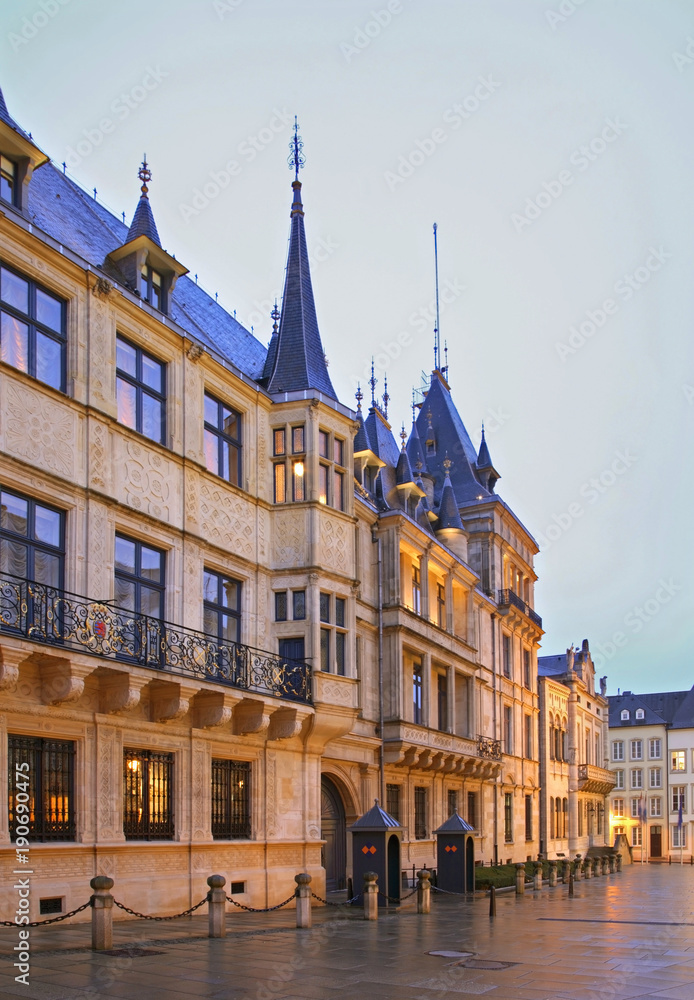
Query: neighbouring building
{"x": 574, "y": 775}
{"x": 652, "y": 757}
{"x": 233, "y": 611}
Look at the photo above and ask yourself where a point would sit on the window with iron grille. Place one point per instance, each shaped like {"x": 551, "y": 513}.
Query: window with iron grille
{"x": 222, "y": 440}
{"x": 147, "y": 795}
{"x": 41, "y": 775}
{"x": 420, "y": 813}
{"x": 280, "y": 606}
{"x": 32, "y": 329}
{"x": 231, "y": 799}
{"x": 508, "y": 817}
{"x": 393, "y": 801}
{"x": 528, "y": 817}
{"x": 472, "y": 809}
{"x": 140, "y": 390}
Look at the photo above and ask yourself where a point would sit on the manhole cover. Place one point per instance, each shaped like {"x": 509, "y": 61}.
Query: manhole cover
{"x": 485, "y": 963}
{"x": 452, "y": 954}
{"x": 132, "y": 952}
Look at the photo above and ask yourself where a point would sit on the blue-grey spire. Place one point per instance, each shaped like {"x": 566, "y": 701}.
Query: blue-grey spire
{"x": 449, "y": 515}
{"x": 300, "y": 360}
{"x": 143, "y": 223}
{"x": 486, "y": 472}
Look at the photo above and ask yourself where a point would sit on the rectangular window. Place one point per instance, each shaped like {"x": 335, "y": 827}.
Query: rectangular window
{"x": 679, "y": 836}
{"x": 472, "y": 809}
{"x": 655, "y": 777}
{"x": 635, "y": 808}
{"x": 279, "y": 441}
{"x": 679, "y": 798}
{"x": 393, "y": 801}
{"x": 678, "y": 760}
{"x": 325, "y": 649}
{"x": 528, "y": 817}
{"x": 508, "y": 817}
{"x": 442, "y": 700}
{"x": 231, "y": 799}
{"x": 8, "y": 180}
{"x": 420, "y": 813}
{"x": 417, "y": 693}
{"x": 619, "y": 778}
{"x": 298, "y": 445}
{"x": 152, "y": 287}
{"x": 338, "y": 490}
{"x": 508, "y": 729}
{"x": 340, "y": 611}
{"x": 656, "y": 807}
{"x": 416, "y": 591}
{"x": 222, "y": 606}
{"x": 636, "y": 749}
{"x": 655, "y": 749}
{"x": 636, "y": 836}
{"x": 323, "y": 442}
{"x": 452, "y": 802}
{"x": 147, "y": 795}
{"x": 31, "y": 547}
{"x": 299, "y": 605}
{"x": 338, "y": 452}
{"x": 323, "y": 484}
{"x": 140, "y": 391}
{"x": 528, "y": 723}
{"x": 441, "y": 605}
{"x": 41, "y": 781}
{"x": 325, "y": 607}
{"x": 340, "y": 645}
{"x": 139, "y": 577}
{"x": 506, "y": 654}
{"x": 618, "y": 750}
{"x": 298, "y": 482}
{"x": 222, "y": 440}
{"x": 32, "y": 329}
{"x": 281, "y": 606}
{"x": 618, "y": 806}
{"x": 636, "y": 777}
{"x": 279, "y": 473}
{"x": 292, "y": 650}
{"x": 526, "y": 668}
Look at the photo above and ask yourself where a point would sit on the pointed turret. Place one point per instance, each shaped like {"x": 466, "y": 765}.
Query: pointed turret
{"x": 415, "y": 452}
{"x": 450, "y": 528}
{"x": 143, "y": 223}
{"x": 300, "y": 360}
{"x": 486, "y": 472}
{"x": 20, "y": 157}
{"x": 272, "y": 346}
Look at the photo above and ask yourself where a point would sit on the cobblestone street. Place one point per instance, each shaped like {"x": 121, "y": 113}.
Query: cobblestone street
{"x": 621, "y": 936}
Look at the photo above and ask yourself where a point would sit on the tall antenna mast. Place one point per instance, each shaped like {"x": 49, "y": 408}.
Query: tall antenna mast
{"x": 437, "y": 331}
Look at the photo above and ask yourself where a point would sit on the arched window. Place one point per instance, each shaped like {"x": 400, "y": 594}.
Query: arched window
{"x": 640, "y": 714}
{"x": 557, "y": 744}
{"x": 551, "y": 818}
{"x": 625, "y": 715}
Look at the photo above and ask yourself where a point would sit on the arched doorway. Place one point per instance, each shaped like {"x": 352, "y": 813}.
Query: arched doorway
{"x": 334, "y": 833}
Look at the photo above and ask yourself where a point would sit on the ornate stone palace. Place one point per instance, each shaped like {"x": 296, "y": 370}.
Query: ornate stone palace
{"x": 233, "y": 611}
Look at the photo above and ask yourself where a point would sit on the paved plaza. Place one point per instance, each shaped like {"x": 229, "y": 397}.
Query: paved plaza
{"x": 621, "y": 936}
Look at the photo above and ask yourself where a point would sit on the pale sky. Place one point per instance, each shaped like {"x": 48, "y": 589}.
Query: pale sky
{"x": 552, "y": 143}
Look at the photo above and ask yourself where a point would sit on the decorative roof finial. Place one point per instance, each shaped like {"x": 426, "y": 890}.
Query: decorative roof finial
{"x": 296, "y": 159}
{"x": 447, "y": 464}
{"x": 274, "y": 316}
{"x": 145, "y": 175}
{"x": 414, "y": 406}
{"x": 386, "y": 397}
{"x": 403, "y": 436}
{"x": 359, "y": 395}
{"x": 373, "y": 381}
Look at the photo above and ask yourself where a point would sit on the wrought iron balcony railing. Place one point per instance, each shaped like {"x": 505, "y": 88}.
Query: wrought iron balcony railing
{"x": 509, "y": 597}
{"x": 53, "y": 616}
{"x": 488, "y": 748}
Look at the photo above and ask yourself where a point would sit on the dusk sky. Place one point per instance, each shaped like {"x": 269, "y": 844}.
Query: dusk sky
{"x": 552, "y": 143}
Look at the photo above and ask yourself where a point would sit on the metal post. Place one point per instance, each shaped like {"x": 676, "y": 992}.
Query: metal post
{"x": 520, "y": 879}
{"x": 492, "y": 901}
{"x": 216, "y": 907}
{"x": 303, "y": 899}
{"x": 552, "y": 873}
{"x": 619, "y": 862}
{"x": 571, "y": 882}
{"x": 424, "y": 891}
{"x": 370, "y": 896}
{"x": 102, "y": 913}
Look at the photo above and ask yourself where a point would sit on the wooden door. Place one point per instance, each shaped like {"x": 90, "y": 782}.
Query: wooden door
{"x": 334, "y": 833}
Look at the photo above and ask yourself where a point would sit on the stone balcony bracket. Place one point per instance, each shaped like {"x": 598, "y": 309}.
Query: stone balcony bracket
{"x": 62, "y": 680}
{"x": 170, "y": 700}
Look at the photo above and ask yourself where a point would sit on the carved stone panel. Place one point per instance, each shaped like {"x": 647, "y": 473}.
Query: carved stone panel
{"x": 39, "y": 430}
{"x": 226, "y": 519}
{"x": 148, "y": 481}
{"x": 290, "y": 534}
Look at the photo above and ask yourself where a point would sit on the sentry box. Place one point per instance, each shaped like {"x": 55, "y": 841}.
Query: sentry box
{"x": 455, "y": 855}
{"x": 376, "y": 838}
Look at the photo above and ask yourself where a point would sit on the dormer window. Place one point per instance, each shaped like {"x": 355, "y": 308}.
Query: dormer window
{"x": 625, "y": 715}
{"x": 152, "y": 289}
{"x": 8, "y": 180}
{"x": 640, "y": 714}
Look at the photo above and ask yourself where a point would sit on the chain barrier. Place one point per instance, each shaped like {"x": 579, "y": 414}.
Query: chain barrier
{"x": 448, "y": 891}
{"x": 53, "y": 920}
{"x": 147, "y": 916}
{"x": 402, "y": 898}
{"x": 261, "y": 909}
{"x": 328, "y": 902}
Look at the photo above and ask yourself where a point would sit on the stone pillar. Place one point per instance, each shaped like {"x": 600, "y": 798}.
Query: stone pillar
{"x": 303, "y": 899}
{"x": 611, "y": 861}
{"x": 565, "y": 869}
{"x": 619, "y": 862}
{"x": 596, "y": 869}
{"x": 520, "y": 879}
{"x": 552, "y": 873}
{"x": 605, "y": 861}
{"x": 216, "y": 907}
{"x": 102, "y": 913}
{"x": 577, "y": 868}
{"x": 424, "y": 891}
{"x": 586, "y": 868}
{"x": 370, "y": 896}
{"x": 537, "y": 882}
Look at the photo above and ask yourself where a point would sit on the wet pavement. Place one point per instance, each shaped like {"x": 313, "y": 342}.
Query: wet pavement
{"x": 621, "y": 936}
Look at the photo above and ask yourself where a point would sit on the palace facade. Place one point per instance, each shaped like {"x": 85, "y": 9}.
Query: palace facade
{"x": 233, "y": 610}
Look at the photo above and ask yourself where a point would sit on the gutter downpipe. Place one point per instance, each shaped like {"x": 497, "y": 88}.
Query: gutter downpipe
{"x": 381, "y": 758}
{"x": 495, "y": 785}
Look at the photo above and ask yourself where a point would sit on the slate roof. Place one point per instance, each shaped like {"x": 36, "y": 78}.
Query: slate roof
{"x": 9, "y": 120}
{"x": 659, "y": 709}
{"x": 683, "y": 718}
{"x": 403, "y": 472}
{"x": 484, "y": 460}
{"x": 551, "y": 666}
{"x": 143, "y": 223}
{"x": 62, "y": 210}
{"x": 415, "y": 452}
{"x": 361, "y": 438}
{"x": 449, "y": 515}
{"x": 375, "y": 819}
{"x": 300, "y": 360}
{"x": 455, "y": 824}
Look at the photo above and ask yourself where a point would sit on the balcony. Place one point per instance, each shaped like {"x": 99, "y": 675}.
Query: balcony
{"x": 507, "y": 599}
{"x": 595, "y": 779}
{"x": 56, "y": 618}
{"x": 413, "y": 746}
{"x": 489, "y": 748}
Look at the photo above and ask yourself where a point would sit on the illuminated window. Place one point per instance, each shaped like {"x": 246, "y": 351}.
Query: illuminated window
{"x": 222, "y": 440}
{"x": 41, "y": 776}
{"x": 147, "y": 795}
{"x": 508, "y": 817}
{"x": 32, "y": 329}
{"x": 291, "y": 471}
{"x": 298, "y": 481}
{"x": 279, "y": 442}
{"x": 678, "y": 760}
{"x": 420, "y": 813}
{"x": 140, "y": 391}
{"x": 231, "y": 799}
{"x": 618, "y": 807}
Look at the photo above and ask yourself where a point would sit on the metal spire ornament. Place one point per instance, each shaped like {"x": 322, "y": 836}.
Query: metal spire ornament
{"x": 386, "y": 397}
{"x": 296, "y": 159}
{"x": 359, "y": 395}
{"x": 145, "y": 175}
{"x": 274, "y": 316}
{"x": 373, "y": 382}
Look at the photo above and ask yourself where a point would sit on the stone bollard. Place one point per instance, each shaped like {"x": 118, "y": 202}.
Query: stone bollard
{"x": 605, "y": 865}
{"x": 577, "y": 870}
{"x": 102, "y": 913}
{"x": 370, "y": 896}
{"x": 552, "y": 873}
{"x": 537, "y": 880}
{"x": 303, "y": 899}
{"x": 596, "y": 869}
{"x": 619, "y": 862}
{"x": 612, "y": 864}
{"x": 216, "y": 907}
{"x": 587, "y": 868}
{"x": 565, "y": 869}
{"x": 520, "y": 879}
{"x": 424, "y": 891}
